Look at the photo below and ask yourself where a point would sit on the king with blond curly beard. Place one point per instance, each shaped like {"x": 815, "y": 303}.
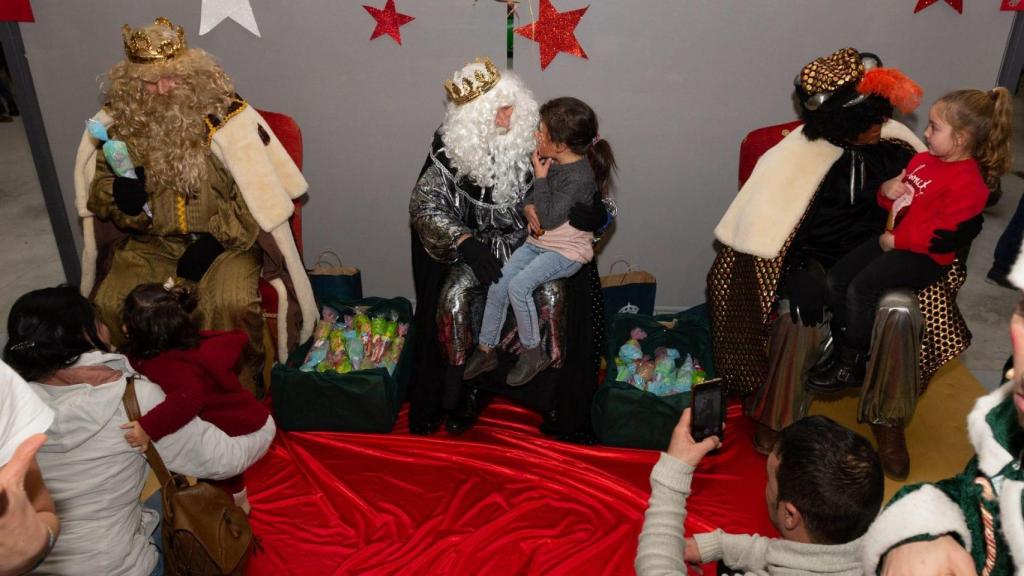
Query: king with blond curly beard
{"x": 212, "y": 191}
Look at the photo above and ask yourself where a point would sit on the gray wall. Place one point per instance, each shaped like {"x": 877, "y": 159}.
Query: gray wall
{"x": 676, "y": 83}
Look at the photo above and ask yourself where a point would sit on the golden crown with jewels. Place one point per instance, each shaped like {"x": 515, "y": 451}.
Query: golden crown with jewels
{"x": 468, "y": 89}
{"x": 144, "y": 46}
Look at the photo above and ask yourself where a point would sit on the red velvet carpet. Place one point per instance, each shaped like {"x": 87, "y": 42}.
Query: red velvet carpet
{"x": 501, "y": 499}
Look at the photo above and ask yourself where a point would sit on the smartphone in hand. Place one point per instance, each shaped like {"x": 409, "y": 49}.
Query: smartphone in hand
{"x": 708, "y": 410}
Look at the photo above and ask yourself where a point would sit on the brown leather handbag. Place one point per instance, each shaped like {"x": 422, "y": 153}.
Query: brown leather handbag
{"x": 204, "y": 533}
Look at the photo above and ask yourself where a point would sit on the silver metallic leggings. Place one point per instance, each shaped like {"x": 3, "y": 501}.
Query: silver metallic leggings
{"x": 892, "y": 382}
{"x": 461, "y": 310}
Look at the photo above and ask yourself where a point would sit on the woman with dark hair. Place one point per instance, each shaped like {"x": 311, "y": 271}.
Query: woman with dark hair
{"x": 58, "y": 344}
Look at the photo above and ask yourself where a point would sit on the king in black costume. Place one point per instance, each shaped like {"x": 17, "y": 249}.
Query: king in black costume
{"x": 466, "y": 216}
{"x": 808, "y": 202}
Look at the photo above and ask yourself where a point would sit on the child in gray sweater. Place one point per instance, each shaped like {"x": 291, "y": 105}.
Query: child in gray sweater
{"x": 825, "y": 486}
{"x": 572, "y": 164}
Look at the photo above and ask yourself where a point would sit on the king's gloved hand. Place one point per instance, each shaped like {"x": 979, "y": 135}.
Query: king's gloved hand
{"x": 485, "y": 265}
{"x": 808, "y": 295}
{"x": 945, "y": 241}
{"x": 198, "y": 257}
{"x": 589, "y": 217}
{"x": 130, "y": 193}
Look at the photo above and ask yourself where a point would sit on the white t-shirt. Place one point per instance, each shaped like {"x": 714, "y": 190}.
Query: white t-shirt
{"x": 22, "y": 413}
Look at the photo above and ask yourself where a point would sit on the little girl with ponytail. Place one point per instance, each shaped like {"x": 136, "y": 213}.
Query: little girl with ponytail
{"x": 571, "y": 164}
{"x": 968, "y": 139}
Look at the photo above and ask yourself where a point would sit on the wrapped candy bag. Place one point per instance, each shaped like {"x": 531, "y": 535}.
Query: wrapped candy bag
{"x": 629, "y": 354}
{"x": 665, "y": 364}
{"x": 115, "y": 151}
{"x": 337, "y": 356}
{"x": 644, "y": 374}
{"x": 395, "y": 349}
{"x": 354, "y": 347}
{"x": 684, "y": 377}
{"x": 378, "y": 326}
{"x": 362, "y": 324}
{"x": 318, "y": 351}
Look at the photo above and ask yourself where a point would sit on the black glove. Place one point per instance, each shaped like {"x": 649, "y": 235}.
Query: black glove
{"x": 130, "y": 193}
{"x": 588, "y": 217}
{"x": 198, "y": 256}
{"x": 945, "y": 241}
{"x": 807, "y": 294}
{"x": 479, "y": 258}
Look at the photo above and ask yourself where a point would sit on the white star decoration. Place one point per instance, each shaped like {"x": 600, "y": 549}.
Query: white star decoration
{"x": 216, "y": 11}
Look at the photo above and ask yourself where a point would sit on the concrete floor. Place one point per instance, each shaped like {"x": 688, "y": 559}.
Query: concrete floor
{"x": 30, "y": 258}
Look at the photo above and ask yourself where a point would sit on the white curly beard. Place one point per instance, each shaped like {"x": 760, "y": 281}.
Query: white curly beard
{"x": 493, "y": 157}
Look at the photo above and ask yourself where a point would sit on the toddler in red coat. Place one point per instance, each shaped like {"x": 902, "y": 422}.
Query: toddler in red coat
{"x": 968, "y": 138}
{"x": 194, "y": 368}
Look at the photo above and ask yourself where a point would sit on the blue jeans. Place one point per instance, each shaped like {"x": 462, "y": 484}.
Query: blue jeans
{"x": 155, "y": 502}
{"x": 528, "y": 267}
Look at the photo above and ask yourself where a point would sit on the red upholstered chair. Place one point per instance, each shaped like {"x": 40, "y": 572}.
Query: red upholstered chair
{"x": 758, "y": 142}
{"x": 290, "y": 135}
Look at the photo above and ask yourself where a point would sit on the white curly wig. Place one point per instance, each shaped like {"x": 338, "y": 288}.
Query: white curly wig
{"x": 489, "y": 155}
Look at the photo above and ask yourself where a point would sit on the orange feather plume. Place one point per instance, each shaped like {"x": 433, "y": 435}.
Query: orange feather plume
{"x": 894, "y": 86}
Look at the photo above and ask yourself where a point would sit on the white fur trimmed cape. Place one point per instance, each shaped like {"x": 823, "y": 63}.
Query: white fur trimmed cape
{"x": 771, "y": 203}
{"x": 269, "y": 182}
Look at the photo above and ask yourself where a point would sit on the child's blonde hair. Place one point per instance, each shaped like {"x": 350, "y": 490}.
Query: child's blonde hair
{"x": 986, "y": 119}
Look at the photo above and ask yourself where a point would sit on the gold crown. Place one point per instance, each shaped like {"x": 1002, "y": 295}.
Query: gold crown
{"x": 472, "y": 88}
{"x": 140, "y": 47}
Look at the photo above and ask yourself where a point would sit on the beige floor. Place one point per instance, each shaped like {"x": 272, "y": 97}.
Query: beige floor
{"x": 937, "y": 435}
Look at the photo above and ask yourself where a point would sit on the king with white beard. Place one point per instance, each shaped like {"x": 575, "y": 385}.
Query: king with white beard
{"x": 467, "y": 219}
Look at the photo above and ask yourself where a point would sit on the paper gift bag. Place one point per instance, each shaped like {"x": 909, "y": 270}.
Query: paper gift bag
{"x": 630, "y": 292}
{"x": 331, "y": 280}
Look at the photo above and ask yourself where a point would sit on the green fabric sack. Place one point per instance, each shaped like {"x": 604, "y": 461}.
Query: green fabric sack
{"x": 628, "y": 417}
{"x": 359, "y": 401}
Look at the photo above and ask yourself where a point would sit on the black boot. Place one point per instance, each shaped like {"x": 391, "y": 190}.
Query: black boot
{"x": 843, "y": 369}
{"x": 464, "y": 417}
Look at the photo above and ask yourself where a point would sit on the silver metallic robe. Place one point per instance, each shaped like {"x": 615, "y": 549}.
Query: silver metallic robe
{"x": 443, "y": 208}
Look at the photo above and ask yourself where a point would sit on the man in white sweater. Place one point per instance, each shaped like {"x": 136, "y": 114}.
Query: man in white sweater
{"x": 825, "y": 486}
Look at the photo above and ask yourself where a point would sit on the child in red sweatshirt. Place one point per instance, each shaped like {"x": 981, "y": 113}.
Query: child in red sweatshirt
{"x": 968, "y": 138}
{"x": 194, "y": 368}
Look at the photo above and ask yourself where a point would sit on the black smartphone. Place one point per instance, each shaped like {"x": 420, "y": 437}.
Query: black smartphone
{"x": 707, "y": 410}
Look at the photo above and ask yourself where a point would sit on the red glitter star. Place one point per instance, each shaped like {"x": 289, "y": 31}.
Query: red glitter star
{"x": 922, "y": 4}
{"x": 553, "y": 30}
{"x": 388, "y": 21}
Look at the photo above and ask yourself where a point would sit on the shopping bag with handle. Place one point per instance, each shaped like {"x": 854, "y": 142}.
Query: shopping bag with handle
{"x": 629, "y": 292}
{"x": 331, "y": 280}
